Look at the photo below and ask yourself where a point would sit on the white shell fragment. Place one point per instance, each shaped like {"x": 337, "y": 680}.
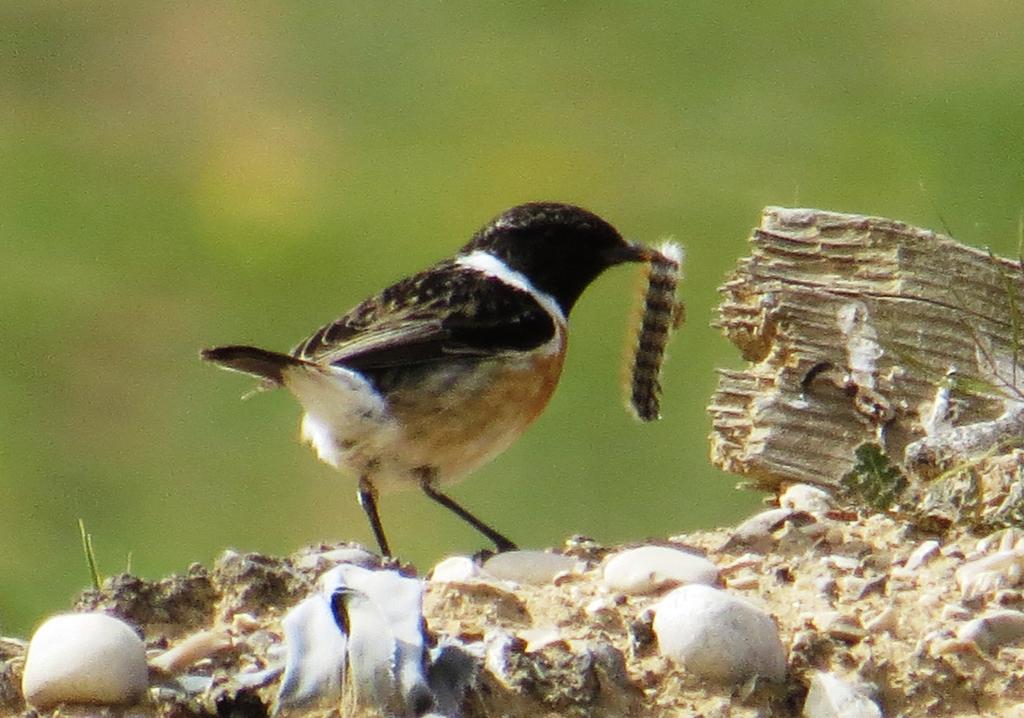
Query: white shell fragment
{"x": 758, "y": 531}
{"x": 719, "y": 636}
{"x": 993, "y": 629}
{"x": 530, "y": 567}
{"x": 196, "y": 647}
{"x": 649, "y": 568}
{"x": 455, "y": 569}
{"x": 804, "y": 497}
{"x": 832, "y": 697}
{"x": 922, "y": 555}
{"x": 84, "y": 658}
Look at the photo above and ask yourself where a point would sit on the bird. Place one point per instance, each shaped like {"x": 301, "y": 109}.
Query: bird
{"x": 434, "y": 376}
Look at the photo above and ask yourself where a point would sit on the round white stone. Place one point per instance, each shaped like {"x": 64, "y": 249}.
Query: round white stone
{"x": 718, "y": 636}
{"x": 84, "y": 658}
{"x": 648, "y": 568}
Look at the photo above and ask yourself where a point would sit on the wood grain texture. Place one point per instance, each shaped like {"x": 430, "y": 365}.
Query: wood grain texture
{"x": 860, "y": 329}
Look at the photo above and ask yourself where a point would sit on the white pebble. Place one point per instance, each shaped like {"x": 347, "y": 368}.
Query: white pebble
{"x": 832, "y": 697}
{"x": 530, "y": 567}
{"x": 922, "y": 555}
{"x": 718, "y": 636}
{"x": 804, "y": 497}
{"x": 455, "y": 569}
{"x": 761, "y": 525}
{"x": 84, "y": 658}
{"x": 841, "y": 563}
{"x": 993, "y": 629}
{"x": 649, "y": 568}
{"x": 887, "y": 620}
{"x": 990, "y": 573}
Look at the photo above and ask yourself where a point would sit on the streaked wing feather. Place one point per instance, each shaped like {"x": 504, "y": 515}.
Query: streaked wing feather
{"x": 405, "y": 342}
{"x": 448, "y": 310}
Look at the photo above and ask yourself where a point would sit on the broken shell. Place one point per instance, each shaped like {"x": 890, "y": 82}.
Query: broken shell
{"x": 649, "y": 568}
{"x": 761, "y": 525}
{"x": 719, "y": 636}
{"x": 840, "y": 627}
{"x": 832, "y": 697}
{"x": 993, "y": 629}
{"x": 530, "y": 567}
{"x": 804, "y": 497}
{"x": 192, "y": 649}
{"x": 84, "y": 658}
{"x": 922, "y": 555}
{"x": 455, "y": 569}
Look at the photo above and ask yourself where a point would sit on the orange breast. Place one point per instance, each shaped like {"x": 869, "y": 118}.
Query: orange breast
{"x": 466, "y": 415}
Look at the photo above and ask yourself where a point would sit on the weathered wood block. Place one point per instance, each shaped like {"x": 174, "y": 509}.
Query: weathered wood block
{"x": 862, "y": 329}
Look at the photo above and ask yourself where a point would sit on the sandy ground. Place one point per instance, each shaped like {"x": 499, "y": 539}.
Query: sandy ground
{"x": 838, "y": 584}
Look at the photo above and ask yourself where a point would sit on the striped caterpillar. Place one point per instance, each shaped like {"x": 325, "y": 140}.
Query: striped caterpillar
{"x": 661, "y": 313}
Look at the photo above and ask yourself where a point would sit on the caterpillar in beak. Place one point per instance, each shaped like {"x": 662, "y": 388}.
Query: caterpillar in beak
{"x": 661, "y": 313}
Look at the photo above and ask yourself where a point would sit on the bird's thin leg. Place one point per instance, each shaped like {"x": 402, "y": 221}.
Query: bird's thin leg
{"x": 427, "y": 484}
{"x": 368, "y": 500}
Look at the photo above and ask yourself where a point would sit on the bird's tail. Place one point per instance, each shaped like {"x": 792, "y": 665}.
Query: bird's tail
{"x": 266, "y": 365}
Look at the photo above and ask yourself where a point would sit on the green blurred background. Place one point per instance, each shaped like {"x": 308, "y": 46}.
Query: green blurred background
{"x": 175, "y": 175}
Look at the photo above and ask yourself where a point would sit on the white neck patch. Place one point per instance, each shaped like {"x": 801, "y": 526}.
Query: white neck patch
{"x": 489, "y": 265}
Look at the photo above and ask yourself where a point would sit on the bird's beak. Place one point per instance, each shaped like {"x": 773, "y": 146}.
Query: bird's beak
{"x": 630, "y": 252}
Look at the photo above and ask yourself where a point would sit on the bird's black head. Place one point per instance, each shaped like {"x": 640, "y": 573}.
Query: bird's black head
{"x": 560, "y": 248}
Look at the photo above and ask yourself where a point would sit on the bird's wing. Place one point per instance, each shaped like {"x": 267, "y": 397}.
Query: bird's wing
{"x": 446, "y": 311}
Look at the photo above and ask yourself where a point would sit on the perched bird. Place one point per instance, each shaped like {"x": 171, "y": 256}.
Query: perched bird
{"x": 442, "y": 371}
